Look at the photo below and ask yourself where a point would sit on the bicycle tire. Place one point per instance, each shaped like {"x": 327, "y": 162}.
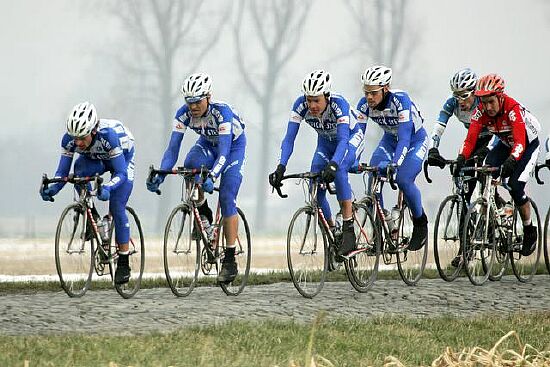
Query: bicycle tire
{"x": 362, "y": 269}
{"x": 136, "y": 256}
{"x": 308, "y": 280}
{"x": 179, "y": 243}
{"x": 447, "y": 243}
{"x": 545, "y": 241}
{"x": 242, "y": 256}
{"x": 74, "y": 260}
{"x": 410, "y": 264}
{"x": 525, "y": 267}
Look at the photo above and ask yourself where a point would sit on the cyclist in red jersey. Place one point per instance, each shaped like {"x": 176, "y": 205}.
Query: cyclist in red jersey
{"x": 517, "y": 149}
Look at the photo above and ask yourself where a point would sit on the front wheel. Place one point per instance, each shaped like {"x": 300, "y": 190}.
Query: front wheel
{"x": 136, "y": 256}
{"x": 73, "y": 253}
{"x": 306, "y": 252}
{"x": 181, "y": 251}
{"x": 410, "y": 264}
{"x": 243, "y": 248}
{"x": 525, "y": 267}
{"x": 447, "y": 231}
{"x": 362, "y": 269}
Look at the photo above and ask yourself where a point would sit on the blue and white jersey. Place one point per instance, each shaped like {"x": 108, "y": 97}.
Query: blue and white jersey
{"x": 400, "y": 119}
{"x": 450, "y": 108}
{"x": 112, "y": 142}
{"x": 221, "y": 127}
{"x": 334, "y": 126}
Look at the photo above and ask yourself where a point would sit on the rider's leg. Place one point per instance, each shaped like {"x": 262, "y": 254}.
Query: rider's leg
{"x": 319, "y": 161}
{"x": 343, "y": 194}
{"x": 383, "y": 153}
{"x": 201, "y": 154}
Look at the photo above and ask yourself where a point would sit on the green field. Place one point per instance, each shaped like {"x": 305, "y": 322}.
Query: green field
{"x": 343, "y": 342}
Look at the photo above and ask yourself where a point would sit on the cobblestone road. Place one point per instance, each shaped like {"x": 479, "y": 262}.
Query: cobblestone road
{"x": 158, "y": 310}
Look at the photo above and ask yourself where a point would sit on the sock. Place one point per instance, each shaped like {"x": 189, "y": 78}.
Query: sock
{"x": 123, "y": 258}
{"x": 229, "y": 254}
{"x": 205, "y": 210}
{"x": 348, "y": 223}
{"x": 527, "y": 222}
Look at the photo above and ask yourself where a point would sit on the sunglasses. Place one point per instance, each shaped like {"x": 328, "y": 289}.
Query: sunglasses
{"x": 463, "y": 95}
{"x": 194, "y": 99}
{"x": 372, "y": 92}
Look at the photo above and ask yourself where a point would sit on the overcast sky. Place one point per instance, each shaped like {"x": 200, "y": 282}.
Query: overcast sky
{"x": 58, "y": 53}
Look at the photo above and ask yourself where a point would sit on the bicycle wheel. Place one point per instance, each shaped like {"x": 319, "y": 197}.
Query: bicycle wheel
{"x": 362, "y": 268}
{"x": 73, "y": 254}
{"x": 478, "y": 254}
{"x": 242, "y": 256}
{"x": 546, "y": 234}
{"x": 525, "y": 267}
{"x": 447, "y": 230}
{"x": 136, "y": 256}
{"x": 306, "y": 252}
{"x": 410, "y": 264}
{"x": 181, "y": 251}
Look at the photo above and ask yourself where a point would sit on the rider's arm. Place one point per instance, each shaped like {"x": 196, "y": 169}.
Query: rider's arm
{"x": 473, "y": 133}
{"x": 441, "y": 123}
{"x": 170, "y": 156}
{"x": 117, "y": 160}
{"x": 518, "y": 132}
{"x": 296, "y": 115}
{"x": 225, "y": 137}
{"x": 404, "y": 132}
{"x": 65, "y": 161}
{"x": 342, "y": 129}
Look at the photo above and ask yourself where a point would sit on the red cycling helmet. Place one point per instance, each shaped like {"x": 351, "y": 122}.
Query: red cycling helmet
{"x": 489, "y": 84}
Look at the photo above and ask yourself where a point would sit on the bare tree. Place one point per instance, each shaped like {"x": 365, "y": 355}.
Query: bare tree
{"x": 159, "y": 33}
{"x": 277, "y": 24}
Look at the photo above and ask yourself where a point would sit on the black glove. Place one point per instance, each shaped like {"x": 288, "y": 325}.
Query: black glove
{"x": 508, "y": 167}
{"x": 481, "y": 153}
{"x": 276, "y": 177}
{"x": 329, "y": 173}
{"x": 459, "y": 164}
{"x": 435, "y": 159}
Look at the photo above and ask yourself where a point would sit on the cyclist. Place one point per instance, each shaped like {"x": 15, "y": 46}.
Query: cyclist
{"x": 517, "y": 149}
{"x": 103, "y": 145}
{"x": 404, "y": 143}
{"x": 220, "y": 148}
{"x": 337, "y": 142}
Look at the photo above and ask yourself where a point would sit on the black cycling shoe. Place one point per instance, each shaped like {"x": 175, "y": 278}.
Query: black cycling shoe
{"x": 348, "y": 243}
{"x": 420, "y": 233}
{"x": 456, "y": 261}
{"x": 229, "y": 272}
{"x": 529, "y": 240}
{"x": 122, "y": 274}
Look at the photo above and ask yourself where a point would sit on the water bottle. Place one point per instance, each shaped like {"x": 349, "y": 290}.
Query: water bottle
{"x": 394, "y": 221}
{"x": 104, "y": 226}
{"x": 338, "y": 223}
{"x": 207, "y": 227}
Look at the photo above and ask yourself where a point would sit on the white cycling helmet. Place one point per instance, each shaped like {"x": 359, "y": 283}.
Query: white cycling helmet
{"x": 317, "y": 83}
{"x": 377, "y": 75}
{"x": 464, "y": 79}
{"x": 82, "y": 120}
{"x": 196, "y": 87}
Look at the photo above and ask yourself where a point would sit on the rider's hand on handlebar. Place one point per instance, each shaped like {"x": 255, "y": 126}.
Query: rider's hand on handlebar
{"x": 329, "y": 172}
{"x": 460, "y": 161}
{"x": 154, "y": 183}
{"x": 435, "y": 159}
{"x": 208, "y": 184}
{"x": 276, "y": 177}
{"x": 105, "y": 194}
{"x": 48, "y": 193}
{"x": 508, "y": 167}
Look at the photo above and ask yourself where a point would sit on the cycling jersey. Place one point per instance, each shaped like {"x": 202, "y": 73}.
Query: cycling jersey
{"x": 514, "y": 125}
{"x": 334, "y": 127}
{"x": 112, "y": 142}
{"x": 450, "y": 108}
{"x": 399, "y": 118}
{"x": 220, "y": 127}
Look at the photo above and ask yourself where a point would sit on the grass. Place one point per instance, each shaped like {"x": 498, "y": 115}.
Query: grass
{"x": 343, "y": 342}
{"x": 29, "y": 287}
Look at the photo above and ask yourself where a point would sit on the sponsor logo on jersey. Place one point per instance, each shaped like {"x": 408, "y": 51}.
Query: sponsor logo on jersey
{"x": 516, "y": 152}
{"x": 404, "y": 116}
{"x": 512, "y": 116}
{"x": 477, "y": 114}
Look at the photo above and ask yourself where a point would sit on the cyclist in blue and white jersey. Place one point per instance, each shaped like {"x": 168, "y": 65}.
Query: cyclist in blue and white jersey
{"x": 103, "y": 145}
{"x": 404, "y": 143}
{"x": 337, "y": 142}
{"x": 220, "y": 148}
{"x": 461, "y": 103}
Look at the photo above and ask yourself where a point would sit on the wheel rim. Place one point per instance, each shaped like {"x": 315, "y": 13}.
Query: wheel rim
{"x": 136, "y": 256}
{"x": 410, "y": 263}
{"x": 525, "y": 267}
{"x": 447, "y": 232}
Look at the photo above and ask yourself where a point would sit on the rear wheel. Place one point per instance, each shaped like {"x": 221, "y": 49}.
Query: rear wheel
{"x": 306, "y": 252}
{"x": 242, "y": 255}
{"x": 525, "y": 267}
{"x": 362, "y": 268}
{"x": 181, "y": 251}
{"x": 410, "y": 264}
{"x": 73, "y": 253}
{"x": 447, "y": 232}
{"x": 546, "y": 242}
{"x": 136, "y": 256}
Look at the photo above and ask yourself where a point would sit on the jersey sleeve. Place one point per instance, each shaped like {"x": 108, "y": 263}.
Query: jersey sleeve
{"x": 170, "y": 157}
{"x": 297, "y": 114}
{"x": 341, "y": 113}
{"x": 65, "y": 160}
{"x": 117, "y": 160}
{"x": 476, "y": 125}
{"x": 444, "y": 115}
{"x": 225, "y": 134}
{"x": 518, "y": 132}
{"x": 404, "y": 131}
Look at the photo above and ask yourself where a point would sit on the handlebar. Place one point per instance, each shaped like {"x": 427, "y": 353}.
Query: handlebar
{"x": 305, "y": 175}
{"x": 449, "y": 162}
{"x": 203, "y": 172}
{"x": 537, "y": 169}
{"x": 71, "y": 179}
{"x": 364, "y": 167}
